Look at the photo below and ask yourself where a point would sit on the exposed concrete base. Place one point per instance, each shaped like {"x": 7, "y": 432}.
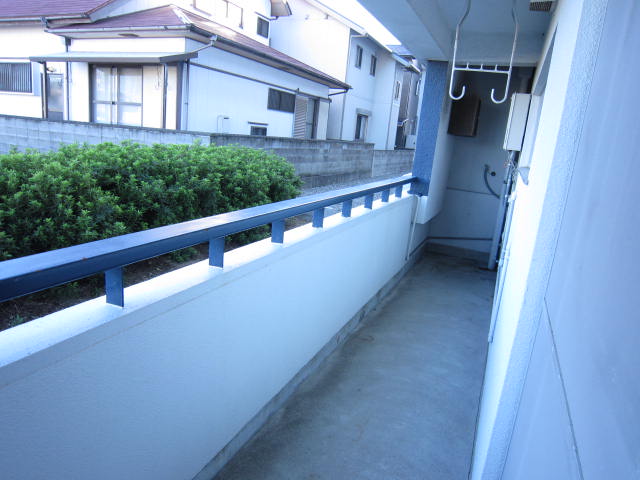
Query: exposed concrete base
{"x": 398, "y": 400}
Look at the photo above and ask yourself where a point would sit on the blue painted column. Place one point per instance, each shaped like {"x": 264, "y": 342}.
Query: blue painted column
{"x": 435, "y": 91}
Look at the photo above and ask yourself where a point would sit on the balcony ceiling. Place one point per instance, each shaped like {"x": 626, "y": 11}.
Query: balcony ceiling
{"x": 427, "y": 28}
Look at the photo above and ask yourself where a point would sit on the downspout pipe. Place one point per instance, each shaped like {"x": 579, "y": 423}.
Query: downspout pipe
{"x": 185, "y": 115}
{"x": 67, "y": 70}
{"x": 165, "y": 83}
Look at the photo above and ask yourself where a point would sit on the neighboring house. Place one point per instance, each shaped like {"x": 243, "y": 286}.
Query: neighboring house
{"x": 409, "y": 100}
{"x": 201, "y": 65}
{"x": 334, "y": 44}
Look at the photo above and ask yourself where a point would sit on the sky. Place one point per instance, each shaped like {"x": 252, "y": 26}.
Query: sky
{"x": 358, "y": 14}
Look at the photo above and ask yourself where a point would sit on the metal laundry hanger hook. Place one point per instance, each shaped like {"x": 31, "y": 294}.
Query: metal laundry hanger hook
{"x": 482, "y": 68}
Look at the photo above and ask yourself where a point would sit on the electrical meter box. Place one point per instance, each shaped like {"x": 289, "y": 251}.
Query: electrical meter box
{"x": 517, "y": 122}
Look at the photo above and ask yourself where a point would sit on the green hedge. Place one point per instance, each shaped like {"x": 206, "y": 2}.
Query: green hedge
{"x": 82, "y": 193}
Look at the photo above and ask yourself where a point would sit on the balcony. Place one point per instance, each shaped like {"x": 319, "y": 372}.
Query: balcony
{"x": 398, "y": 399}
{"x": 369, "y": 353}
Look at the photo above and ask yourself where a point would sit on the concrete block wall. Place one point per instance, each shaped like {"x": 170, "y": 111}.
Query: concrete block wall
{"x": 318, "y": 162}
{"x": 45, "y": 135}
{"x": 389, "y": 162}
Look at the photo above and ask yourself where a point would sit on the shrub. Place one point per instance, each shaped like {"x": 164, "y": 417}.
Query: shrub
{"x": 82, "y": 193}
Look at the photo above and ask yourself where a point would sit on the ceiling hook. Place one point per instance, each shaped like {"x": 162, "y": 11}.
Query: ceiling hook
{"x": 455, "y": 53}
{"x": 514, "y": 16}
{"x": 482, "y": 68}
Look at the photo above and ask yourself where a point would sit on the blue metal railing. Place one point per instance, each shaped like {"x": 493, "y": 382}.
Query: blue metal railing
{"x": 33, "y": 273}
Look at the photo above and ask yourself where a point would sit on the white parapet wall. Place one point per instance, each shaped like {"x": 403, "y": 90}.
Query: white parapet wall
{"x": 157, "y": 389}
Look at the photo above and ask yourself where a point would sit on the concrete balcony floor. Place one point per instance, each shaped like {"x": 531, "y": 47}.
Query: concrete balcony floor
{"x": 398, "y": 400}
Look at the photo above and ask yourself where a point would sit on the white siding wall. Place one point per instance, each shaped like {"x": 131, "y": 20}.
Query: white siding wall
{"x": 152, "y": 80}
{"x": 128, "y": 45}
{"x": 79, "y": 86}
{"x": 385, "y": 107}
{"x": 213, "y": 95}
{"x": 323, "y": 120}
{"x": 18, "y": 44}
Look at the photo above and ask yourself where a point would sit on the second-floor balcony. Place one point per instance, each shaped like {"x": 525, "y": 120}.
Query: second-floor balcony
{"x": 338, "y": 346}
{"x": 399, "y": 399}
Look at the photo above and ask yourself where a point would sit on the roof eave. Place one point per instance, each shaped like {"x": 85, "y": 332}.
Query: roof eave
{"x": 199, "y": 34}
{"x": 45, "y": 17}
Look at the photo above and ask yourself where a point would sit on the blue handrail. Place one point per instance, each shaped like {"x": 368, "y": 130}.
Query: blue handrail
{"x": 25, "y": 275}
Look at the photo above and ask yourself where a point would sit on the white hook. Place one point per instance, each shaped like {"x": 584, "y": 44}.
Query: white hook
{"x": 453, "y": 97}
{"x": 506, "y": 93}
{"x": 455, "y": 51}
{"x": 513, "y": 51}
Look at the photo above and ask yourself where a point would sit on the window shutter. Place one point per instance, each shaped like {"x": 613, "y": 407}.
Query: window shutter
{"x": 300, "y": 118}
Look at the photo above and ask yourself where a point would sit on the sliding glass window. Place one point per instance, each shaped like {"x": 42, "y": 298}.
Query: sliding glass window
{"x": 117, "y": 95}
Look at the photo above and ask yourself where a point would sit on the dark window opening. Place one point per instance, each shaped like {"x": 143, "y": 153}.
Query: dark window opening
{"x": 358, "y": 56}
{"x": 258, "y": 130}
{"x": 15, "y": 77}
{"x": 361, "y": 127}
{"x": 263, "y": 27}
{"x": 372, "y": 67}
{"x": 282, "y": 101}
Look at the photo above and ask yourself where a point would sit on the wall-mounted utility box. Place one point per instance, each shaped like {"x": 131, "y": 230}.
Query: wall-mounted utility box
{"x": 517, "y": 122}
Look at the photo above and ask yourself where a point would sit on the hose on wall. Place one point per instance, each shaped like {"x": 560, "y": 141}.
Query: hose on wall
{"x": 486, "y": 181}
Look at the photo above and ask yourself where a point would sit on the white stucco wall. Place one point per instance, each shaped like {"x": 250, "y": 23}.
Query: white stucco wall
{"x": 470, "y": 209}
{"x": 581, "y": 387}
{"x": 155, "y": 390}
{"x": 529, "y": 253}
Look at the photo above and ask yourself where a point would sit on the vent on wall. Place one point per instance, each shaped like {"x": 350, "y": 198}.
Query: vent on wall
{"x": 541, "y": 6}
